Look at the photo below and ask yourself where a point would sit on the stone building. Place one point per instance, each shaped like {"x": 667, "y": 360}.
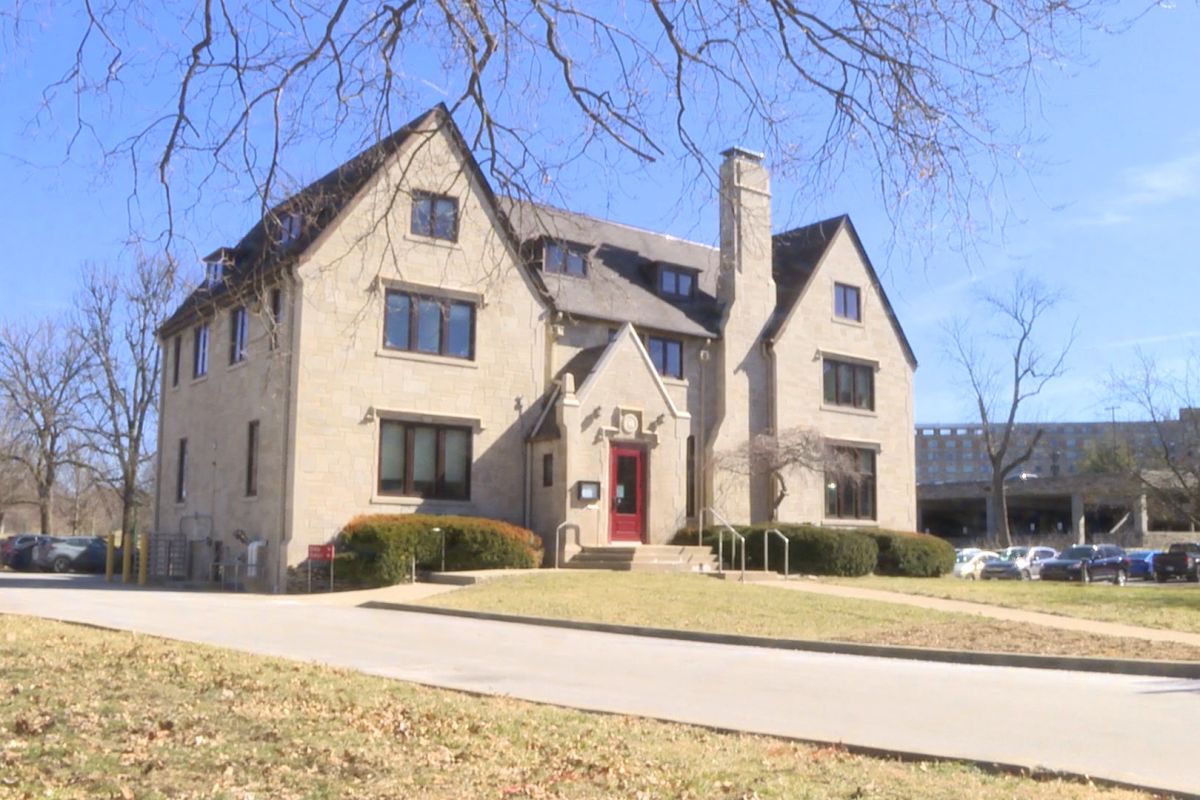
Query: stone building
{"x": 397, "y": 338}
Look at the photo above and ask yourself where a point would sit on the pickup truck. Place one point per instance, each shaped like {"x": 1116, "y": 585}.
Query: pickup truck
{"x": 1182, "y": 560}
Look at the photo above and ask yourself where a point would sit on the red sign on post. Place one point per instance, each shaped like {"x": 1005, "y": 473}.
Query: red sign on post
{"x": 320, "y": 552}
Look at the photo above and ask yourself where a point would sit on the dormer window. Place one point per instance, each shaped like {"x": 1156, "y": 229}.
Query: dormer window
{"x": 214, "y": 272}
{"x": 673, "y": 282}
{"x": 565, "y": 259}
{"x": 216, "y": 265}
{"x": 290, "y": 226}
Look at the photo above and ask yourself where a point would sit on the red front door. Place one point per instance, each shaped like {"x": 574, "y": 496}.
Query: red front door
{"x": 627, "y": 495}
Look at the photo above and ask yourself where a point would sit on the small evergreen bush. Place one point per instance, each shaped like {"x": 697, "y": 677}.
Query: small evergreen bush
{"x": 912, "y": 555}
{"x": 380, "y": 548}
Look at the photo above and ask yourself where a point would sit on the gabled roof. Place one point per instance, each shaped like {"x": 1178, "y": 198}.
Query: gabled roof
{"x": 798, "y": 254}
{"x": 259, "y": 254}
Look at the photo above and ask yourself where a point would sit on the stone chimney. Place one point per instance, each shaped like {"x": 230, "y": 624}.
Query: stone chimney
{"x": 743, "y": 384}
{"x": 745, "y": 277}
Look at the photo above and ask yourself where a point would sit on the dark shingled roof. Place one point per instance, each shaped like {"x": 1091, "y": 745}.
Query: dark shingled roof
{"x": 622, "y": 261}
{"x": 620, "y": 285}
{"x": 796, "y": 255}
{"x": 258, "y": 255}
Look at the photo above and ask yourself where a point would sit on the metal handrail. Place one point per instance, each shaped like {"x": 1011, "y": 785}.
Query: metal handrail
{"x": 734, "y": 538}
{"x": 557, "y": 533}
{"x": 767, "y": 551}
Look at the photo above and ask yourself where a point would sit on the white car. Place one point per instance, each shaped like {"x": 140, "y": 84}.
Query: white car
{"x": 969, "y": 564}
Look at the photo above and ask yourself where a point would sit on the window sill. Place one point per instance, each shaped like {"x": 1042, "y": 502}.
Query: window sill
{"x": 236, "y": 365}
{"x": 199, "y": 379}
{"x": 853, "y": 323}
{"x": 433, "y": 240}
{"x": 410, "y": 501}
{"x": 843, "y": 522}
{"x": 681, "y": 382}
{"x": 427, "y": 358}
{"x": 250, "y": 498}
{"x": 851, "y": 410}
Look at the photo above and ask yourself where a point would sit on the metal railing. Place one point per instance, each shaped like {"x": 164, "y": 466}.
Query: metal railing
{"x": 734, "y": 539}
{"x": 767, "y": 551}
{"x": 558, "y": 533}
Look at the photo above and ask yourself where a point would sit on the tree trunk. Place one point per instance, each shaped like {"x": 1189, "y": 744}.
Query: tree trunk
{"x": 997, "y": 511}
{"x": 43, "y": 494}
{"x": 128, "y": 523}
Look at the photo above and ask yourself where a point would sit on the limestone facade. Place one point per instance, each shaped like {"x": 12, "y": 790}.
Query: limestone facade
{"x": 595, "y": 405}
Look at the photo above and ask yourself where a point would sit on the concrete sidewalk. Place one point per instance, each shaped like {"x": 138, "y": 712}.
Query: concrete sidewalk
{"x": 1097, "y": 627}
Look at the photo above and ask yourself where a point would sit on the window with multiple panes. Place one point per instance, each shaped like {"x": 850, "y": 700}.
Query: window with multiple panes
{"x": 424, "y": 324}
{"x": 176, "y": 357}
{"x": 676, "y": 282}
{"x": 667, "y": 355}
{"x": 290, "y": 226}
{"x": 850, "y": 484}
{"x": 548, "y": 469}
{"x": 181, "y": 473}
{"x": 214, "y": 272}
{"x": 200, "y": 351}
{"x": 565, "y": 259}
{"x": 848, "y": 384}
{"x": 435, "y": 215}
{"x": 252, "y": 459}
{"x": 431, "y": 461}
{"x": 847, "y": 302}
{"x": 237, "y": 335}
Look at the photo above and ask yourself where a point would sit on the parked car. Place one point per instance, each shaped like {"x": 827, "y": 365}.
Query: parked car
{"x": 1086, "y": 563}
{"x": 18, "y": 553}
{"x": 1182, "y": 560}
{"x": 968, "y": 564}
{"x": 1017, "y": 564}
{"x": 71, "y": 554}
{"x": 1141, "y": 564}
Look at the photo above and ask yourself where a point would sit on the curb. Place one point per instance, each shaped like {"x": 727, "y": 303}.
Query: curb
{"x": 1157, "y": 669}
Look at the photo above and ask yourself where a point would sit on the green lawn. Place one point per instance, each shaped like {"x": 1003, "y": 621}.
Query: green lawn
{"x": 89, "y": 714}
{"x": 1171, "y": 606}
{"x": 695, "y": 602}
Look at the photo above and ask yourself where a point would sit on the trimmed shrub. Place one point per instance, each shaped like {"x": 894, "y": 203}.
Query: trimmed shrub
{"x": 812, "y": 550}
{"x": 912, "y": 555}
{"x": 380, "y": 547}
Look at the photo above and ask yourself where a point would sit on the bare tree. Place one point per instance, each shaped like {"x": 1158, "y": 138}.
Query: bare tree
{"x": 118, "y": 320}
{"x": 914, "y": 89}
{"x": 1170, "y": 463}
{"x": 11, "y": 473}
{"x": 43, "y": 374}
{"x": 1002, "y": 383}
{"x": 777, "y": 455}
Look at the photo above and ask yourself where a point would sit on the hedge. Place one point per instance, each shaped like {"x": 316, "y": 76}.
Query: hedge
{"x": 852, "y": 552}
{"x": 812, "y": 550}
{"x": 914, "y": 555}
{"x": 379, "y": 548}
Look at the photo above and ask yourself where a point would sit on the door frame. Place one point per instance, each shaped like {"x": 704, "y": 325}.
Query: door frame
{"x": 617, "y": 449}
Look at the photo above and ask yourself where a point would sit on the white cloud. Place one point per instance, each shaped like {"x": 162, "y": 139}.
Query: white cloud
{"x": 1172, "y": 180}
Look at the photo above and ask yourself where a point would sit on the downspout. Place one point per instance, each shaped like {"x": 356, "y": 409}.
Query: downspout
{"x": 773, "y": 416}
{"x": 701, "y": 454}
{"x": 293, "y": 322}
{"x": 162, "y": 405}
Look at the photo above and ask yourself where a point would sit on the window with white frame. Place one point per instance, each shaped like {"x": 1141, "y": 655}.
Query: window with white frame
{"x": 237, "y": 335}
{"x": 200, "y": 351}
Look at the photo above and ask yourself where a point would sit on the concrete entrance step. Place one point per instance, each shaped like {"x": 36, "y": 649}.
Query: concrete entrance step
{"x": 645, "y": 558}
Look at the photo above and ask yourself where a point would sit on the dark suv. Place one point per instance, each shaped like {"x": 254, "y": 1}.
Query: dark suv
{"x": 1088, "y": 562}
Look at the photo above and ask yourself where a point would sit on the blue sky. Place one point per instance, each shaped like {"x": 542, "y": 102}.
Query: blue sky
{"x": 1110, "y": 214}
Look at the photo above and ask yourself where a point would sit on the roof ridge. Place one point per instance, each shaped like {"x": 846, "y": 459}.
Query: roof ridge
{"x": 594, "y": 218}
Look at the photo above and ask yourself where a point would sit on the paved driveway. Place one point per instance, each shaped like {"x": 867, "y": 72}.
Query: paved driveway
{"x": 1129, "y": 729}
